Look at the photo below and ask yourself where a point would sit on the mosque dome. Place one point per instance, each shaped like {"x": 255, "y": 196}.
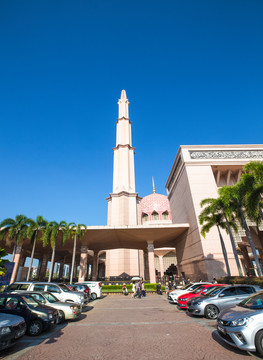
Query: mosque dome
{"x": 155, "y": 207}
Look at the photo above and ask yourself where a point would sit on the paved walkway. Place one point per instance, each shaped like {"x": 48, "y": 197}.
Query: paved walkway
{"x": 123, "y": 328}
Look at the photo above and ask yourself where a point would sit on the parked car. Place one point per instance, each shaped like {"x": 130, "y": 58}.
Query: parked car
{"x": 173, "y": 295}
{"x": 37, "y": 317}
{"x": 95, "y": 288}
{"x": 12, "y": 328}
{"x": 241, "y": 326}
{"x": 200, "y": 290}
{"x": 81, "y": 288}
{"x": 66, "y": 311}
{"x": 61, "y": 291}
{"x": 220, "y": 299}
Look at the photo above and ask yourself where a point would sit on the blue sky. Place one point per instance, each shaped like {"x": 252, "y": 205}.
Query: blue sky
{"x": 193, "y": 75}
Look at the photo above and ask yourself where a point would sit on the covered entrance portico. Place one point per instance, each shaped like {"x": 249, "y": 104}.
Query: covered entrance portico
{"x": 100, "y": 238}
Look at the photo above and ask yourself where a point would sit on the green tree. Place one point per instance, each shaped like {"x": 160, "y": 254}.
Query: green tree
{"x": 3, "y": 253}
{"x": 234, "y": 198}
{"x": 253, "y": 178}
{"x": 215, "y": 206}
{"x": 76, "y": 230}
{"x": 50, "y": 236}
{"x": 209, "y": 221}
{"x": 14, "y": 230}
{"x": 33, "y": 233}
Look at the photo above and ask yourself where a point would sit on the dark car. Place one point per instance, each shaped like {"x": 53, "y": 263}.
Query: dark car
{"x": 12, "y": 328}
{"x": 37, "y": 317}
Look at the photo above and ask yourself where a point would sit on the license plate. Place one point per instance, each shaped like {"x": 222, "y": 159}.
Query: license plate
{"x": 220, "y": 329}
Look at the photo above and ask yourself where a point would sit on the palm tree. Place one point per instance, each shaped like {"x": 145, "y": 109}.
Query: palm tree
{"x": 33, "y": 233}
{"x": 214, "y": 219}
{"x": 217, "y": 206}
{"x": 234, "y": 197}
{"x": 50, "y": 236}
{"x": 253, "y": 177}
{"x": 14, "y": 230}
{"x": 77, "y": 231}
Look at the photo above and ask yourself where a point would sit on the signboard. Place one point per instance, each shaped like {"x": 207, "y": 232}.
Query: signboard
{"x": 5, "y": 280}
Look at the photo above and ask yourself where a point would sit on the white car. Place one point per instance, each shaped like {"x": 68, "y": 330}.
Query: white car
{"x": 95, "y": 288}
{"x": 61, "y": 291}
{"x": 173, "y": 295}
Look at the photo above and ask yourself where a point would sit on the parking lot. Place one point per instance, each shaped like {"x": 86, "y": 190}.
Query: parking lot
{"x": 118, "y": 327}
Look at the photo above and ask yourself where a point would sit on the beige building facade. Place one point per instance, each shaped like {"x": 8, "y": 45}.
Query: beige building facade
{"x": 197, "y": 173}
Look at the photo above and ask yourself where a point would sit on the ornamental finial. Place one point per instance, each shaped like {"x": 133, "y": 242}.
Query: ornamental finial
{"x": 153, "y": 186}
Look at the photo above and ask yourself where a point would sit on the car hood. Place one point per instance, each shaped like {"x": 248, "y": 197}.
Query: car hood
{"x": 178, "y": 292}
{"x": 237, "y": 312}
{"x": 10, "y": 320}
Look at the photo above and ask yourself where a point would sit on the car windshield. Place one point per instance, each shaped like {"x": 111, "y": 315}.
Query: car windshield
{"x": 213, "y": 291}
{"x": 31, "y": 302}
{"x": 197, "y": 290}
{"x": 253, "y": 302}
{"x": 50, "y": 298}
{"x": 186, "y": 287}
{"x": 64, "y": 287}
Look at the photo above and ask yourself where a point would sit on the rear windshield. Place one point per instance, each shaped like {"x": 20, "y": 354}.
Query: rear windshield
{"x": 253, "y": 302}
{"x": 31, "y": 302}
{"x": 64, "y": 287}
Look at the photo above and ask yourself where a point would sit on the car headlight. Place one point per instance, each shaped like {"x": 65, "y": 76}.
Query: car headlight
{"x": 240, "y": 322}
{"x": 183, "y": 299}
{"x": 5, "y": 330}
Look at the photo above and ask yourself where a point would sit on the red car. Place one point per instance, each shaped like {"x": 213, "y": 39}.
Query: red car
{"x": 201, "y": 290}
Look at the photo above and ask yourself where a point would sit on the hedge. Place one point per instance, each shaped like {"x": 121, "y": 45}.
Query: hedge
{"x": 116, "y": 288}
{"x": 252, "y": 280}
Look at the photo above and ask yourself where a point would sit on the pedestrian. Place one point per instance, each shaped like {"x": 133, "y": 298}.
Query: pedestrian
{"x": 124, "y": 290}
{"x": 214, "y": 281}
{"x": 139, "y": 289}
{"x": 133, "y": 289}
{"x": 143, "y": 290}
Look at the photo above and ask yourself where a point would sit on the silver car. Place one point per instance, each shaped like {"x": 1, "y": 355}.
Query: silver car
{"x": 242, "y": 326}
{"x": 66, "y": 311}
{"x": 220, "y": 299}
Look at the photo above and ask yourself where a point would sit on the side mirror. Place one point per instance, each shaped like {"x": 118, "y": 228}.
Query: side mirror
{"x": 203, "y": 293}
{"x": 221, "y": 295}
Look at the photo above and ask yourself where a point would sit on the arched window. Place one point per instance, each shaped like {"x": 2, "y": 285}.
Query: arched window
{"x": 155, "y": 216}
{"x": 165, "y": 215}
{"x": 145, "y": 217}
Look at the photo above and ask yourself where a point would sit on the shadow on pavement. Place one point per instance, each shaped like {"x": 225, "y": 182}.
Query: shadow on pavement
{"x": 25, "y": 342}
{"x": 217, "y": 338}
{"x": 86, "y": 309}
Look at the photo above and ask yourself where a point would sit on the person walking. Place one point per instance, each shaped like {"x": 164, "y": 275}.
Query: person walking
{"x": 143, "y": 290}
{"x": 134, "y": 290}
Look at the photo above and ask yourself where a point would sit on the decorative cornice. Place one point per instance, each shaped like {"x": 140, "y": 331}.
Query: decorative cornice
{"x": 226, "y": 154}
{"x": 123, "y": 118}
{"x": 123, "y": 193}
{"x": 123, "y": 146}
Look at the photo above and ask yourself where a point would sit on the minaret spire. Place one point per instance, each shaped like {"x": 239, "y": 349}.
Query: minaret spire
{"x": 153, "y": 186}
{"x": 123, "y": 105}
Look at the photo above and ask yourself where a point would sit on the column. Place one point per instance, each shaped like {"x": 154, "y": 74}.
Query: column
{"x": 16, "y": 260}
{"x": 161, "y": 265}
{"x": 146, "y": 265}
{"x": 43, "y": 270}
{"x": 61, "y": 268}
{"x": 150, "y": 249}
{"x": 83, "y": 263}
{"x": 95, "y": 266}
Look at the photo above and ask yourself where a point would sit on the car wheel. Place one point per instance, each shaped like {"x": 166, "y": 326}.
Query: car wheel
{"x": 211, "y": 312}
{"x": 259, "y": 342}
{"x": 93, "y": 296}
{"x": 35, "y": 328}
{"x": 61, "y": 316}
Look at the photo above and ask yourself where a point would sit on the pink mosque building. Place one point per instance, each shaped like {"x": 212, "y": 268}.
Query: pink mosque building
{"x": 156, "y": 234}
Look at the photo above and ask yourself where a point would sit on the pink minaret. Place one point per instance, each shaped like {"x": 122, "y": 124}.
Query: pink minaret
{"x": 123, "y": 202}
